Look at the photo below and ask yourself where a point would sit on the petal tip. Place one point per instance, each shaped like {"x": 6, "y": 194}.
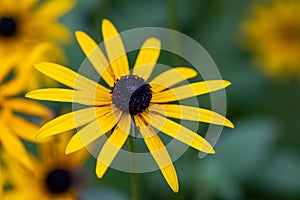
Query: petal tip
{"x": 100, "y": 173}
{"x": 230, "y": 124}
{"x": 212, "y": 151}
{"x": 105, "y": 22}
{"x": 42, "y": 66}
{"x": 154, "y": 40}
{"x": 78, "y": 34}
{"x": 227, "y": 83}
{"x": 38, "y": 65}
{"x": 67, "y": 150}
{"x": 175, "y": 188}
{"x": 29, "y": 95}
{"x": 70, "y": 148}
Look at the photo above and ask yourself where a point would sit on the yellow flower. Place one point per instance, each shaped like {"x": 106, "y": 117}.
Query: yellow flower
{"x": 129, "y": 98}
{"x": 25, "y": 23}
{"x": 12, "y": 125}
{"x": 55, "y": 175}
{"x": 273, "y": 33}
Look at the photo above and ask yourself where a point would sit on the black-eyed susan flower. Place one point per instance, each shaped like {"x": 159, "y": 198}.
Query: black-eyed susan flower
{"x": 13, "y": 126}
{"x": 55, "y": 175}
{"x": 130, "y": 97}
{"x": 25, "y": 23}
{"x": 273, "y": 33}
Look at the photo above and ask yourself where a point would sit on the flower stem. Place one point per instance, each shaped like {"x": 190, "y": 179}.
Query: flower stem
{"x": 134, "y": 184}
{"x": 172, "y": 12}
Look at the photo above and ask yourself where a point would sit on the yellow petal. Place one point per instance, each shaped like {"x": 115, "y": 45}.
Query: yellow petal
{"x": 93, "y": 131}
{"x": 26, "y": 4}
{"x": 14, "y": 147}
{"x": 19, "y": 82}
{"x": 113, "y": 145}
{"x": 114, "y": 49}
{"x": 24, "y": 129}
{"x": 68, "y": 77}
{"x": 178, "y": 132}
{"x": 29, "y": 107}
{"x": 159, "y": 153}
{"x": 96, "y": 57}
{"x": 178, "y": 74}
{"x": 59, "y": 32}
{"x": 190, "y": 113}
{"x": 190, "y": 90}
{"x": 71, "y": 120}
{"x": 147, "y": 58}
{"x": 67, "y": 95}
{"x": 7, "y": 64}
{"x": 54, "y": 9}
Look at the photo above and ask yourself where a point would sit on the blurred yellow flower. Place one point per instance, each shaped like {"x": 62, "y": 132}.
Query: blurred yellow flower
{"x": 12, "y": 125}
{"x": 55, "y": 175}
{"x": 273, "y": 33}
{"x": 25, "y": 23}
{"x": 129, "y": 98}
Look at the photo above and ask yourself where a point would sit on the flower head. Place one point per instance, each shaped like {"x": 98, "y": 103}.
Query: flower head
{"x": 273, "y": 33}
{"x": 55, "y": 175}
{"x": 130, "y": 98}
{"x": 24, "y": 24}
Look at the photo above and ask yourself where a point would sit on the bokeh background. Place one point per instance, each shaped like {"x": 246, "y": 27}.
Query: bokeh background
{"x": 260, "y": 157}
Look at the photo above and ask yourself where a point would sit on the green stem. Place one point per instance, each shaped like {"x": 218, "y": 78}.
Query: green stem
{"x": 134, "y": 184}
{"x": 173, "y": 24}
{"x": 172, "y": 14}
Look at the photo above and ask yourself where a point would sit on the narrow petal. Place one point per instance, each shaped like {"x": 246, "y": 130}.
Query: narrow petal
{"x": 147, "y": 58}
{"x": 59, "y": 32}
{"x": 178, "y": 74}
{"x": 8, "y": 64}
{"x": 159, "y": 153}
{"x": 115, "y": 49}
{"x": 25, "y": 129}
{"x": 29, "y": 107}
{"x": 93, "y": 131}
{"x": 190, "y": 113}
{"x": 96, "y": 57}
{"x": 68, "y": 77}
{"x": 71, "y": 121}
{"x": 190, "y": 90}
{"x": 19, "y": 82}
{"x": 178, "y": 132}
{"x": 26, "y": 4}
{"x": 67, "y": 95}
{"x": 54, "y": 8}
{"x": 14, "y": 147}
{"x": 113, "y": 145}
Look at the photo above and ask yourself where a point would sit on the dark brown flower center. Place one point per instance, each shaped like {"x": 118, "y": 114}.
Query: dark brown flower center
{"x": 58, "y": 181}
{"x": 131, "y": 94}
{"x": 8, "y": 26}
